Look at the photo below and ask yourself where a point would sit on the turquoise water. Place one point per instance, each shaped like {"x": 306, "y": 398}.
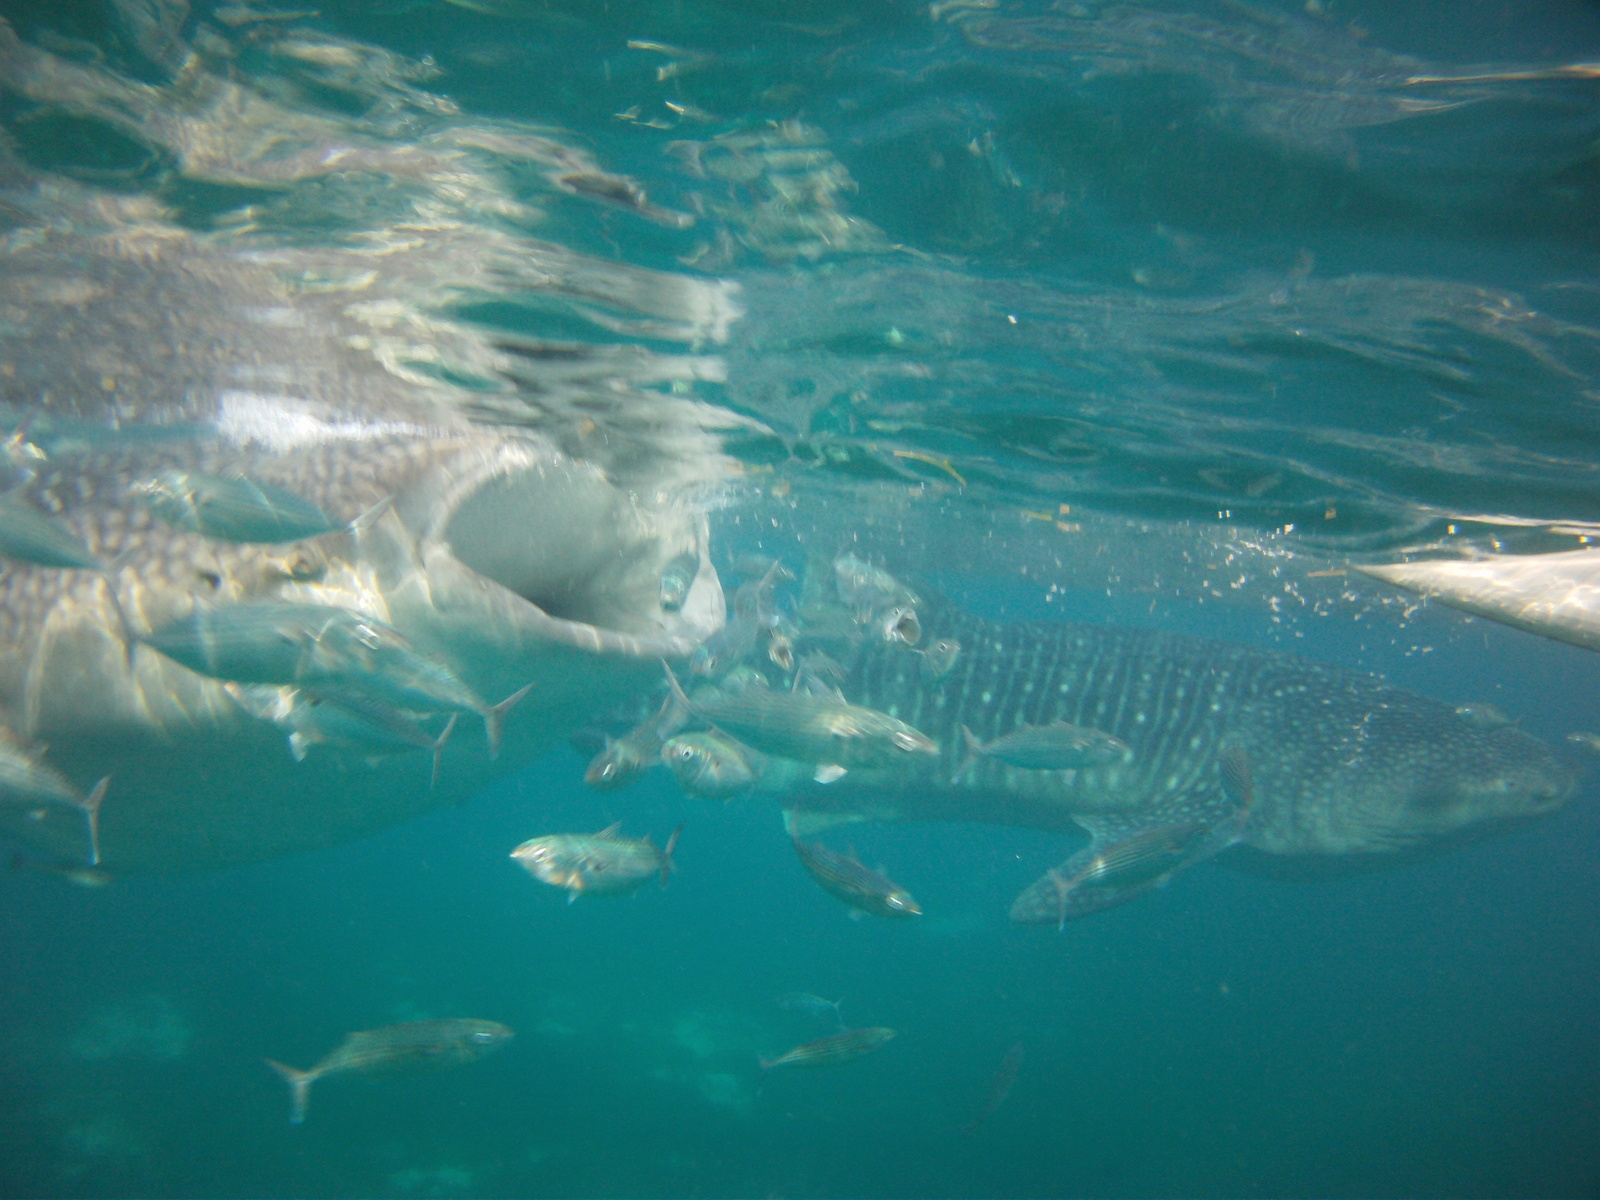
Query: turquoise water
{"x": 1158, "y": 316}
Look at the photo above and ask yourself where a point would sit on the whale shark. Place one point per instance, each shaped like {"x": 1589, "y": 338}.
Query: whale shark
{"x": 1230, "y": 748}
{"x": 495, "y": 509}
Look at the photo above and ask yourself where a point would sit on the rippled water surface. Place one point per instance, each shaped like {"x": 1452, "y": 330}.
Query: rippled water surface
{"x": 1163, "y": 317}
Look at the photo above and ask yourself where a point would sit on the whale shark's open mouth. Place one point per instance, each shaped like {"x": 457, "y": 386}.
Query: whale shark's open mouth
{"x": 585, "y": 556}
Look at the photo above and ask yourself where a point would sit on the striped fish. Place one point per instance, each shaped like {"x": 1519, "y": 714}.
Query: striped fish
{"x": 835, "y": 1048}
{"x": 846, "y": 879}
{"x": 1338, "y": 762}
{"x": 414, "y": 1044}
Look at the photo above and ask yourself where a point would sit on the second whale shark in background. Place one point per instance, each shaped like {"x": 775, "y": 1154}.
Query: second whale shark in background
{"x": 1227, "y": 747}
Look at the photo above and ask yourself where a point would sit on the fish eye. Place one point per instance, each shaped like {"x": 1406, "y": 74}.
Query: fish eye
{"x": 483, "y": 1035}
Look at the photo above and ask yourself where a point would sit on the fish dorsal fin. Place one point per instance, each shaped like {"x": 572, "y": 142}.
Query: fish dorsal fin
{"x": 370, "y": 516}
{"x": 611, "y": 830}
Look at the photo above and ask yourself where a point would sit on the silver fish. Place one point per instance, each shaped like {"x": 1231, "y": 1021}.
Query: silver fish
{"x": 598, "y": 864}
{"x": 1058, "y": 746}
{"x": 29, "y": 536}
{"x": 812, "y": 1006}
{"x": 709, "y": 765}
{"x": 736, "y": 641}
{"x": 623, "y": 759}
{"x": 868, "y": 589}
{"x": 233, "y": 509}
{"x": 26, "y": 780}
{"x": 315, "y": 646}
{"x": 835, "y": 1048}
{"x": 780, "y": 649}
{"x": 426, "y": 1045}
{"x": 677, "y": 579}
{"x": 343, "y": 718}
{"x": 939, "y": 659}
{"x": 900, "y": 626}
{"x": 812, "y": 729}
{"x": 1482, "y": 716}
{"x": 848, "y": 880}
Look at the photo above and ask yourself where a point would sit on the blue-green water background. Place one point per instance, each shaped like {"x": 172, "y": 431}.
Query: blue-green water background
{"x": 1431, "y": 1030}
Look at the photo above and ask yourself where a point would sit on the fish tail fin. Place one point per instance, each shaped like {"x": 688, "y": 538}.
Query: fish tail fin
{"x": 766, "y": 1063}
{"x": 666, "y": 854}
{"x": 1063, "y": 888}
{"x": 129, "y": 641}
{"x": 678, "y": 693}
{"x": 438, "y": 748}
{"x": 973, "y": 747}
{"x": 91, "y": 814}
{"x": 299, "y": 1088}
{"x": 494, "y": 717}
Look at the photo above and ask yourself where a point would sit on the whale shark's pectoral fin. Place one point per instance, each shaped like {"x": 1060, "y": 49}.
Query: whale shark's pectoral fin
{"x": 1125, "y": 858}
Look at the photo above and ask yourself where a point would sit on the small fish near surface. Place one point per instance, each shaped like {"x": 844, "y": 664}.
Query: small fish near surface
{"x": 30, "y": 536}
{"x": 868, "y": 589}
{"x": 596, "y": 864}
{"x": 848, "y": 880}
{"x": 27, "y": 780}
{"x": 835, "y": 1048}
{"x": 447, "y": 1042}
{"x": 710, "y": 765}
{"x": 232, "y": 509}
{"x": 813, "y": 729}
{"x": 1057, "y": 746}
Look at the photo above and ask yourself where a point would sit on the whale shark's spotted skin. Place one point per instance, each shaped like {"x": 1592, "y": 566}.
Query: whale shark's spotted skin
{"x": 1342, "y": 763}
